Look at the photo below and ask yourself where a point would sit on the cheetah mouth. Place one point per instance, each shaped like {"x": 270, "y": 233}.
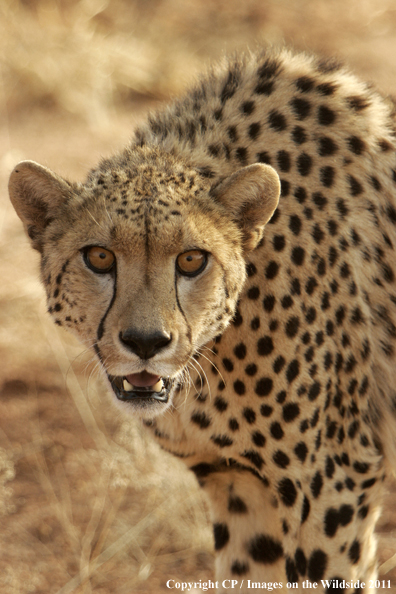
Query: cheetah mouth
{"x": 143, "y": 386}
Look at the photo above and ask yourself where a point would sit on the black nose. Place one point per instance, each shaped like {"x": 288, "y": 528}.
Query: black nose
{"x": 144, "y": 346}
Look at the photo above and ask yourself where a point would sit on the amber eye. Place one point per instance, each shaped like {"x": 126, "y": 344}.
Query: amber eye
{"x": 99, "y": 259}
{"x": 191, "y": 263}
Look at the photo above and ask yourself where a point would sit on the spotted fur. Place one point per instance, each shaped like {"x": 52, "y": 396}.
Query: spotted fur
{"x": 289, "y": 424}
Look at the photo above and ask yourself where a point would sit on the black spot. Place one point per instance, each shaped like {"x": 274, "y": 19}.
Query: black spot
{"x": 264, "y": 549}
{"x": 221, "y": 535}
{"x": 326, "y": 116}
{"x": 306, "y": 507}
{"x": 249, "y": 415}
{"x": 279, "y": 243}
{"x": 305, "y": 84}
{"x": 301, "y": 451}
{"x": 291, "y": 571}
{"x": 269, "y": 303}
{"x": 201, "y": 419}
{"x": 342, "y": 208}
{"x": 295, "y": 224}
{"x": 251, "y": 269}
{"x": 269, "y": 69}
{"x": 355, "y": 186}
{"x": 284, "y": 161}
{"x": 316, "y": 484}
{"x": 301, "y": 107}
{"x": 281, "y": 459}
{"x": 345, "y": 514}
{"x": 311, "y": 285}
{"x": 218, "y": 115}
{"x": 286, "y": 302}
{"x": 327, "y": 175}
{"x": 240, "y": 351}
{"x": 326, "y": 89}
{"x": 314, "y": 391}
{"x": 236, "y": 505}
{"x": 263, "y": 158}
{"x": 319, "y": 200}
{"x": 241, "y": 154}
{"x": 304, "y": 164}
{"x": 290, "y": 411}
{"x": 327, "y": 146}
{"x": 233, "y": 424}
{"x": 310, "y": 316}
{"x": 298, "y": 255}
{"x": 330, "y": 467}
{"x": 232, "y": 133}
{"x": 276, "y": 431}
{"x": 228, "y": 364}
{"x": 277, "y": 121}
{"x": 358, "y": 103}
{"x": 264, "y": 88}
{"x": 266, "y": 410}
{"x": 285, "y": 187}
{"x": 239, "y": 387}
{"x": 230, "y": 86}
{"x": 356, "y": 145}
{"x": 258, "y": 439}
{"x": 251, "y": 369}
{"x": 254, "y": 458}
{"x": 272, "y": 270}
{"x": 203, "y": 470}
{"x": 239, "y": 568}
{"x": 237, "y": 319}
{"x": 264, "y": 386}
{"x": 220, "y": 404}
{"x": 295, "y": 287}
{"x": 265, "y": 346}
{"x": 255, "y": 324}
{"x": 299, "y": 136}
{"x": 363, "y": 511}
{"x": 300, "y": 194}
{"x": 317, "y": 564}
{"x": 222, "y": 441}
{"x": 354, "y": 552}
{"x": 248, "y": 107}
{"x": 287, "y": 492}
{"x": 301, "y": 561}
{"x": 293, "y": 370}
{"x": 369, "y": 483}
{"x": 254, "y": 130}
{"x": 361, "y": 467}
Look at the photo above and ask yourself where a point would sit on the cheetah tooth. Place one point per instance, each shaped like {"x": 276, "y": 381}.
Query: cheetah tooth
{"x": 127, "y": 386}
{"x": 158, "y": 386}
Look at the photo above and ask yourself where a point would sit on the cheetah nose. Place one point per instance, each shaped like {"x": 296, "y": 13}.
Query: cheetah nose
{"x": 143, "y": 345}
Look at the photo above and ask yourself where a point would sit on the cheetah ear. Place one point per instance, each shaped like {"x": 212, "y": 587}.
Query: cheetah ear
{"x": 251, "y": 195}
{"x": 37, "y": 194}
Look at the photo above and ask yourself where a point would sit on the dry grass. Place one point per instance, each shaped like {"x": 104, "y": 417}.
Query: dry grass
{"x": 88, "y": 504}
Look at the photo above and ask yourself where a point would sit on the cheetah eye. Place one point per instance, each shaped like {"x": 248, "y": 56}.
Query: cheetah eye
{"x": 191, "y": 263}
{"x": 99, "y": 259}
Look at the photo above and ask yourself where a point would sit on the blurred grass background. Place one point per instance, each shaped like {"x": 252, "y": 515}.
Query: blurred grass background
{"x": 88, "y": 504}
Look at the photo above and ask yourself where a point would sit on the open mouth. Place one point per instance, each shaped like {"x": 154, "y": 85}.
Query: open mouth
{"x": 141, "y": 386}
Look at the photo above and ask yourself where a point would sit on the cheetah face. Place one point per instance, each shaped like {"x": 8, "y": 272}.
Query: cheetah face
{"x": 144, "y": 262}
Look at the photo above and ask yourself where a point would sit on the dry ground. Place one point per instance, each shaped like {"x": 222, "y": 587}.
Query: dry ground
{"x": 87, "y": 504}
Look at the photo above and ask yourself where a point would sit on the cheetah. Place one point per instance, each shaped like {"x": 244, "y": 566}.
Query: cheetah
{"x": 232, "y": 269}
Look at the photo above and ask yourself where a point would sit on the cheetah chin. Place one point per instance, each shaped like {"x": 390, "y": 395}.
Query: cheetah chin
{"x": 141, "y": 388}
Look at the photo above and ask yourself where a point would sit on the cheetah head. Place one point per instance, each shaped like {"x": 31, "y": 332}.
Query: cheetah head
{"x": 144, "y": 261}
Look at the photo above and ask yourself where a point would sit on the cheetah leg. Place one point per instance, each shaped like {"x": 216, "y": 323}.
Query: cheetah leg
{"x": 260, "y": 539}
{"x": 247, "y": 529}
